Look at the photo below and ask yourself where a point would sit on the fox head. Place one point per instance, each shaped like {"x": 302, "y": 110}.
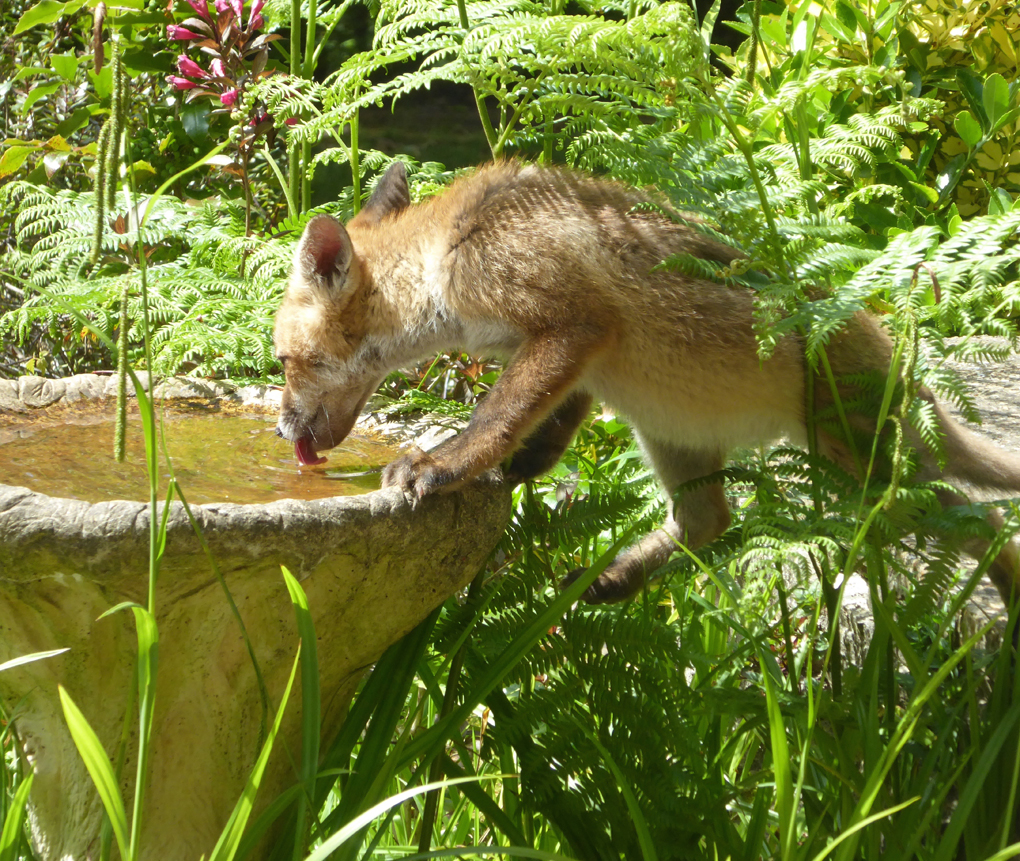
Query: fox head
{"x": 323, "y": 332}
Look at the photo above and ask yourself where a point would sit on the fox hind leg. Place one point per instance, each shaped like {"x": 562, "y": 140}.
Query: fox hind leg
{"x": 694, "y": 518}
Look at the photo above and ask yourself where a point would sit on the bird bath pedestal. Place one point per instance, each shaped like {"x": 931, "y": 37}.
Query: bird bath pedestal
{"x": 372, "y": 569}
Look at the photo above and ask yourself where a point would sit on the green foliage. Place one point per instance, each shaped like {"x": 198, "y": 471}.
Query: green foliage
{"x": 205, "y": 314}
{"x": 539, "y": 66}
{"x": 941, "y": 49}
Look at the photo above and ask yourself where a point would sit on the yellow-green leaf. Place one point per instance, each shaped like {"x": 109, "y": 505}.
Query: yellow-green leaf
{"x": 46, "y": 12}
{"x": 929, "y": 193}
{"x": 13, "y": 158}
{"x": 65, "y": 65}
{"x": 995, "y": 97}
{"x": 57, "y": 143}
{"x": 11, "y": 836}
{"x": 967, "y": 128}
{"x": 142, "y": 169}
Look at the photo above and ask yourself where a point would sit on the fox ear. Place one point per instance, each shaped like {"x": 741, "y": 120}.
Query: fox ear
{"x": 390, "y": 195}
{"x": 323, "y": 256}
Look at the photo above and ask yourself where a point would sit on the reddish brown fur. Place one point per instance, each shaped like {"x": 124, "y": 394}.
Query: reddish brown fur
{"x": 555, "y": 272}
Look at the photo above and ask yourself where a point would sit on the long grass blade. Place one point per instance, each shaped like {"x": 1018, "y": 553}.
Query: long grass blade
{"x": 311, "y": 705}
{"x": 785, "y": 801}
{"x": 336, "y": 840}
{"x": 976, "y": 784}
{"x": 427, "y": 744}
{"x": 99, "y": 768}
{"x": 230, "y": 838}
{"x": 147, "y": 662}
{"x": 10, "y": 837}
{"x": 637, "y": 816}
{"x": 28, "y": 659}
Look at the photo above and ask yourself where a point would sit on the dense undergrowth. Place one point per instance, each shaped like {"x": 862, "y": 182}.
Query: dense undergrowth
{"x": 859, "y": 155}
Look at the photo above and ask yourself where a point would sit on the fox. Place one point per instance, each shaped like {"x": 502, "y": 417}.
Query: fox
{"x": 557, "y": 273}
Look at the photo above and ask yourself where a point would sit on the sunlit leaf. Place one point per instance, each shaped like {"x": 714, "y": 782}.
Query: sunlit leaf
{"x": 13, "y": 158}
{"x": 10, "y": 838}
{"x": 99, "y": 768}
{"x": 995, "y": 98}
{"x": 46, "y": 12}
{"x": 38, "y": 93}
{"x": 53, "y": 161}
{"x": 28, "y": 659}
{"x": 967, "y": 128}
{"x": 65, "y": 65}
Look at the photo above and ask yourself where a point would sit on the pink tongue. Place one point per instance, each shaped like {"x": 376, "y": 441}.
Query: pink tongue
{"x": 305, "y": 452}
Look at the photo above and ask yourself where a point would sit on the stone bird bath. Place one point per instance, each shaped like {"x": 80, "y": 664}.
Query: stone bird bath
{"x": 371, "y": 567}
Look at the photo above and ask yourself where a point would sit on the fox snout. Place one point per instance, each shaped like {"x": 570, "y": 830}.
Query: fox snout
{"x": 314, "y": 432}
{"x": 319, "y": 420}
{"x": 309, "y": 436}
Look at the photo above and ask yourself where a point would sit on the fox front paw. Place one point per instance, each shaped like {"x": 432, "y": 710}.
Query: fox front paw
{"x": 416, "y": 473}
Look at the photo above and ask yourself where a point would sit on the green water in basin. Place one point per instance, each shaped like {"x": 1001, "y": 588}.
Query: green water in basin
{"x": 219, "y": 453}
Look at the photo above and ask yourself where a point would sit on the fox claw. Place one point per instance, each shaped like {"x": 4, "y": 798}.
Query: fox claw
{"x": 416, "y": 473}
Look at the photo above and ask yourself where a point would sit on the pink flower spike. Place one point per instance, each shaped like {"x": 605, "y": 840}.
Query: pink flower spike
{"x": 181, "y": 83}
{"x": 238, "y": 7}
{"x": 181, "y": 34}
{"x": 255, "y": 20}
{"x": 216, "y": 69}
{"x": 201, "y": 7}
{"x": 229, "y": 97}
{"x": 187, "y": 66}
{"x": 222, "y": 5}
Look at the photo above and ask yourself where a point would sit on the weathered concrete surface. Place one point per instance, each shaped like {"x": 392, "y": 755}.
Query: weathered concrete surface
{"x": 372, "y": 568}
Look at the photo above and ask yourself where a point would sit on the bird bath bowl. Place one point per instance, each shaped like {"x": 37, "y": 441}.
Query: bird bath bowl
{"x": 372, "y": 569}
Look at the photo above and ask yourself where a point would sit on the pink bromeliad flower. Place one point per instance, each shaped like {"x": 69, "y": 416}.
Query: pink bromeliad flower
{"x": 216, "y": 68}
{"x": 201, "y": 7}
{"x": 229, "y": 97}
{"x": 187, "y": 66}
{"x": 181, "y": 83}
{"x": 255, "y": 19}
{"x": 181, "y": 34}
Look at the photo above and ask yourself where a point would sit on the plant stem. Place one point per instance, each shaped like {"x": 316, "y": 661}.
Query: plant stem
{"x": 294, "y": 151}
{"x": 284, "y": 186}
{"x": 355, "y": 155}
{"x": 483, "y": 110}
{"x": 306, "y": 72}
{"x": 120, "y": 423}
{"x": 449, "y": 701}
{"x": 752, "y": 51}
